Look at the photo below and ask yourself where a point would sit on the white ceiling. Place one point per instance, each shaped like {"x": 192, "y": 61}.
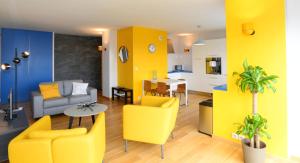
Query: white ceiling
{"x": 90, "y": 17}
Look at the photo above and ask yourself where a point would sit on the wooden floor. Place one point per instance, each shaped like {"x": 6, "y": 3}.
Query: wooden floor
{"x": 189, "y": 146}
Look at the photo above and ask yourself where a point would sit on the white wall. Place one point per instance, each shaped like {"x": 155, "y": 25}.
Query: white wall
{"x": 293, "y": 79}
{"x": 179, "y": 57}
{"x": 109, "y": 62}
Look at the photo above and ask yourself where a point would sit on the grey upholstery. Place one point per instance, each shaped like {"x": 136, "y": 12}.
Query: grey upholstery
{"x": 76, "y": 99}
{"x": 56, "y": 102}
{"x": 54, "y": 106}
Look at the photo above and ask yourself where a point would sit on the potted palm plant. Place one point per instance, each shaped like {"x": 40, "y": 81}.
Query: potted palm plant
{"x": 255, "y": 80}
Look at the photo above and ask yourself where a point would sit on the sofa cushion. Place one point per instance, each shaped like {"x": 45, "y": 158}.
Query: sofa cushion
{"x": 56, "y": 102}
{"x": 60, "y": 87}
{"x": 68, "y": 86}
{"x": 49, "y": 90}
{"x": 76, "y": 99}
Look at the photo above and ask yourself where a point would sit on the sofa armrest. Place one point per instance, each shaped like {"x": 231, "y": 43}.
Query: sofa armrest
{"x": 146, "y": 124}
{"x": 93, "y": 93}
{"x": 37, "y": 104}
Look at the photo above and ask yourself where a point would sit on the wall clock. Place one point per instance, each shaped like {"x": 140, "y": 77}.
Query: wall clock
{"x": 151, "y": 48}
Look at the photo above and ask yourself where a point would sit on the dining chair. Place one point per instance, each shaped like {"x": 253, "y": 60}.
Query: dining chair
{"x": 162, "y": 89}
{"x": 181, "y": 88}
{"x": 148, "y": 87}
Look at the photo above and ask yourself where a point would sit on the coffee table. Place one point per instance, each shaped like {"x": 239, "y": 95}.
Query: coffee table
{"x": 79, "y": 112}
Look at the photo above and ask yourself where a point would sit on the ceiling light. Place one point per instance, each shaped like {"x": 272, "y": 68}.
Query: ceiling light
{"x": 184, "y": 34}
{"x": 199, "y": 42}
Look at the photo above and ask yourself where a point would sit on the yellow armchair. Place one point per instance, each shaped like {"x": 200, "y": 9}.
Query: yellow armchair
{"x": 151, "y": 122}
{"x": 61, "y": 146}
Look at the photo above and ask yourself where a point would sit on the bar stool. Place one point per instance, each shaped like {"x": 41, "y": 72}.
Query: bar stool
{"x": 181, "y": 88}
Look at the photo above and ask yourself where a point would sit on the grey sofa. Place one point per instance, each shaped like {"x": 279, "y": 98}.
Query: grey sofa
{"x": 53, "y": 106}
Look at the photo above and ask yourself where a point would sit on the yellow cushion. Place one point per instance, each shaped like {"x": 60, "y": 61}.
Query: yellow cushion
{"x": 52, "y": 134}
{"x": 49, "y": 90}
{"x": 168, "y": 103}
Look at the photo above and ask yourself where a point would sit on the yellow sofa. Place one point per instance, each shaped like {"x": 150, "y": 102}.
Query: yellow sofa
{"x": 151, "y": 122}
{"x": 40, "y": 144}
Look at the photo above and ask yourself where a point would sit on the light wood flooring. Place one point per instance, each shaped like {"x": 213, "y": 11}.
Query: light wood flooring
{"x": 189, "y": 146}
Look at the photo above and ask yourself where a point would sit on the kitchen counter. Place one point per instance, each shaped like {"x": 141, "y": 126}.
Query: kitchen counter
{"x": 221, "y": 87}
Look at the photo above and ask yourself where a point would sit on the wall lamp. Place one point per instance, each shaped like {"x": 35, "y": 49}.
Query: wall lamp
{"x": 248, "y": 29}
{"x": 5, "y": 66}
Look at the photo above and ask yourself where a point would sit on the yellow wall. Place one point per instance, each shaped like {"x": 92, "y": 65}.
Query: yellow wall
{"x": 144, "y": 63}
{"x": 266, "y": 49}
{"x": 125, "y": 70}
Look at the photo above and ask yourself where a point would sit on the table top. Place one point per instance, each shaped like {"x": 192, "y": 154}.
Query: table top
{"x": 19, "y": 123}
{"x": 169, "y": 81}
{"x": 77, "y": 111}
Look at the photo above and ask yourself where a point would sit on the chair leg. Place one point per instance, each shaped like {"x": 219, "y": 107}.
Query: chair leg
{"x": 126, "y": 145}
{"x": 162, "y": 151}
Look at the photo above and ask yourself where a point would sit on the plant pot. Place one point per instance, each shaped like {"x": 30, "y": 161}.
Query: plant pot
{"x": 253, "y": 155}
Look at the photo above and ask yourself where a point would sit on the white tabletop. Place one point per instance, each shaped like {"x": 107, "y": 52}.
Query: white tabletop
{"x": 77, "y": 111}
{"x": 169, "y": 81}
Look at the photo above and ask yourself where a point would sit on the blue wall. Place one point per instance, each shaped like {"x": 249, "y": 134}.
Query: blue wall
{"x": 37, "y": 68}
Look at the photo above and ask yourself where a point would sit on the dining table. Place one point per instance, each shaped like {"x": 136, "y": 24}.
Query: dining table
{"x": 173, "y": 83}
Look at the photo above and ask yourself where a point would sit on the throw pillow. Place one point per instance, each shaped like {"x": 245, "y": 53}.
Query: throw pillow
{"x": 79, "y": 88}
{"x": 49, "y": 90}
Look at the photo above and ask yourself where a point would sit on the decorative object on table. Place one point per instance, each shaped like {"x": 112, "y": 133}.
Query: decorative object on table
{"x": 79, "y": 88}
{"x": 54, "y": 106}
{"x": 87, "y": 106}
{"x": 154, "y": 75}
{"x": 123, "y": 54}
{"x": 139, "y": 125}
{"x": 213, "y": 65}
{"x": 40, "y": 144}
{"x": 125, "y": 93}
{"x": 152, "y": 48}
{"x": 89, "y": 109}
{"x": 9, "y": 130}
{"x": 256, "y": 80}
{"x": 16, "y": 61}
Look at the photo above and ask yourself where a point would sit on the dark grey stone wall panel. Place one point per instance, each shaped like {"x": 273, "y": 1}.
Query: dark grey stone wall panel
{"x": 77, "y": 57}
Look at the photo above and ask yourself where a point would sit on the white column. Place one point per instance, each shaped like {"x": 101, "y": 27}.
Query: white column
{"x": 293, "y": 79}
{"x": 109, "y": 62}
